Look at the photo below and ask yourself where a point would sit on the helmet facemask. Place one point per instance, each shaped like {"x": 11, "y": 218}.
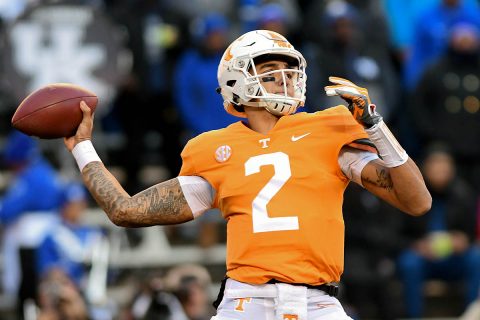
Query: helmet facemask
{"x": 292, "y": 80}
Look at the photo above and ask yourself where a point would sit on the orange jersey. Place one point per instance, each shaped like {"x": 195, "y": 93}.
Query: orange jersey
{"x": 281, "y": 194}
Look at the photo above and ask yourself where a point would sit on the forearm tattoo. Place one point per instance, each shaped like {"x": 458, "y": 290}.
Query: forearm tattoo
{"x": 161, "y": 204}
{"x": 383, "y": 179}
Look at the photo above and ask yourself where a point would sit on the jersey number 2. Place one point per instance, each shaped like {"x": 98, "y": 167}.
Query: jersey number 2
{"x": 281, "y": 164}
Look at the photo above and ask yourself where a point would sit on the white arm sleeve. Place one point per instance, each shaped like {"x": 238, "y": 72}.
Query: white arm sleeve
{"x": 352, "y": 161}
{"x": 198, "y": 193}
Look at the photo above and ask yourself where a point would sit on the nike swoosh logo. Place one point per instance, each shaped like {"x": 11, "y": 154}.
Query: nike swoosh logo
{"x": 300, "y": 137}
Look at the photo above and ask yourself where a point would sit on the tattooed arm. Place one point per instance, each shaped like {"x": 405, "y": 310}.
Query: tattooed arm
{"x": 163, "y": 203}
{"x": 402, "y": 186}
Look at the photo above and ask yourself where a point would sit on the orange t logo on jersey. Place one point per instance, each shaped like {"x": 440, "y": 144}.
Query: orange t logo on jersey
{"x": 240, "y": 303}
{"x": 290, "y": 317}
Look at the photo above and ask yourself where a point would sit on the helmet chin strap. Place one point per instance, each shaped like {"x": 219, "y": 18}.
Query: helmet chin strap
{"x": 272, "y": 106}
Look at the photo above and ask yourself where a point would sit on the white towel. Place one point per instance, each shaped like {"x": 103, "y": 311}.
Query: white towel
{"x": 291, "y": 300}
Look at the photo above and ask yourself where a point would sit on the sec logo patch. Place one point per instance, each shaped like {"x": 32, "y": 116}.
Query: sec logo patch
{"x": 223, "y": 153}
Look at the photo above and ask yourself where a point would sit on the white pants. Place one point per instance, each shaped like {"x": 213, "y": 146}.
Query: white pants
{"x": 280, "y": 301}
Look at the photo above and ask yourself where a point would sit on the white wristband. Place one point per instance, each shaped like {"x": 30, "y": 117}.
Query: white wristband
{"x": 392, "y": 154}
{"x": 84, "y": 153}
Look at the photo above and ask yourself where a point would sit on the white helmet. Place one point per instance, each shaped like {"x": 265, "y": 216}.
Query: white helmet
{"x": 239, "y": 87}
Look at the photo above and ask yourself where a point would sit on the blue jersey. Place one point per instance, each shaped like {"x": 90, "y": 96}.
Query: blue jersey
{"x": 69, "y": 248}
{"x": 36, "y": 188}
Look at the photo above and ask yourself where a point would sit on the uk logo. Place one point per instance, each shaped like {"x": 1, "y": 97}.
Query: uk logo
{"x": 62, "y": 43}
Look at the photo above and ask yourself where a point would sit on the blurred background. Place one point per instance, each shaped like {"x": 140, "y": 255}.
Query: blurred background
{"x": 153, "y": 65}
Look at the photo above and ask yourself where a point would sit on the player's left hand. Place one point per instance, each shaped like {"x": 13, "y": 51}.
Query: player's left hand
{"x": 358, "y": 100}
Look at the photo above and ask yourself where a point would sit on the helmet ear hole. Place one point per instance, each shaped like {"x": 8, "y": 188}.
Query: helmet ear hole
{"x": 231, "y": 83}
{"x": 238, "y": 107}
{"x": 235, "y": 99}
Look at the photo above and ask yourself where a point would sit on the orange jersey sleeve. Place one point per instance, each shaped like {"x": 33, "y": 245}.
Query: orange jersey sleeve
{"x": 281, "y": 194}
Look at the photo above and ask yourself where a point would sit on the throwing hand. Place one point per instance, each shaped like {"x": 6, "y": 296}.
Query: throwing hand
{"x": 358, "y": 101}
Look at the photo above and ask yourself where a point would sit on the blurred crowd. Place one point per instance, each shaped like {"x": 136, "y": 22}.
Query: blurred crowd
{"x": 154, "y": 65}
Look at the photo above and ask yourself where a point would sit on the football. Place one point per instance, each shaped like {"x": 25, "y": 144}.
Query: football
{"x": 53, "y": 111}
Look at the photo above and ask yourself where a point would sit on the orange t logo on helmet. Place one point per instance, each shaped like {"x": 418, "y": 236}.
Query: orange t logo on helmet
{"x": 279, "y": 40}
{"x": 228, "y": 55}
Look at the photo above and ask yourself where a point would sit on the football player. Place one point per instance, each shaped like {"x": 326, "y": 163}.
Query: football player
{"x": 278, "y": 178}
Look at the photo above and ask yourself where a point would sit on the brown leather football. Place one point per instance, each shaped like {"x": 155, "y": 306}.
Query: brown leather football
{"x": 53, "y": 111}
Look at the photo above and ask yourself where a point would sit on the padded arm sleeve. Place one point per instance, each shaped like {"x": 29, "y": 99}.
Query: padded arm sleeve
{"x": 353, "y": 160}
{"x": 198, "y": 193}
